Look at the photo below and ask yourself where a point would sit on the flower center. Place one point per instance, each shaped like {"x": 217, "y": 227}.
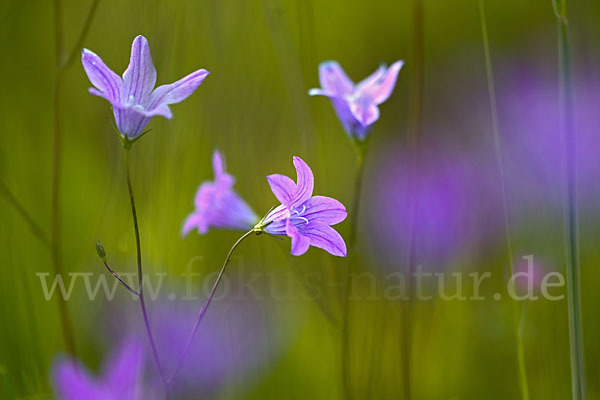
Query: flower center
{"x": 295, "y": 215}
{"x": 131, "y": 102}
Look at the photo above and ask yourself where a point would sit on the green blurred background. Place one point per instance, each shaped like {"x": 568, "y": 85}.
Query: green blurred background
{"x": 263, "y": 56}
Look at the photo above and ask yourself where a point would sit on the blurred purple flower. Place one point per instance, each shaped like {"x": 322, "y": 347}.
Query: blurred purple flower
{"x": 133, "y": 99}
{"x": 120, "y": 379}
{"x": 304, "y": 217}
{"x": 529, "y": 103}
{"x": 356, "y": 105}
{"x": 232, "y": 347}
{"x": 218, "y": 205}
{"x": 454, "y": 204}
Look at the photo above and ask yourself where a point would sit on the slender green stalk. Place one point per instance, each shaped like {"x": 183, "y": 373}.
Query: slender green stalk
{"x": 578, "y": 379}
{"x": 507, "y": 232}
{"x": 361, "y": 153}
{"x": 204, "y": 308}
{"x": 55, "y": 235}
{"x": 140, "y": 272}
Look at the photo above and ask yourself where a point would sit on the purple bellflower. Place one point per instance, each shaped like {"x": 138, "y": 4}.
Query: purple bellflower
{"x": 218, "y": 205}
{"x": 120, "y": 380}
{"x": 133, "y": 98}
{"x": 356, "y": 105}
{"x": 304, "y": 217}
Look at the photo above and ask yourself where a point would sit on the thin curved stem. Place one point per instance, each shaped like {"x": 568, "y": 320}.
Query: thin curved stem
{"x": 140, "y": 274}
{"x": 517, "y": 322}
{"x": 132, "y": 290}
{"x": 578, "y": 378}
{"x": 204, "y": 308}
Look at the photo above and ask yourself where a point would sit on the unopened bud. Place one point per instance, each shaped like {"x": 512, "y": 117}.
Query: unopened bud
{"x": 100, "y": 250}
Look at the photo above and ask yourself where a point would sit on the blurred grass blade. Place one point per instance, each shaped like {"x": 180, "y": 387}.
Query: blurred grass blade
{"x": 500, "y": 164}
{"x": 37, "y": 231}
{"x": 578, "y": 381}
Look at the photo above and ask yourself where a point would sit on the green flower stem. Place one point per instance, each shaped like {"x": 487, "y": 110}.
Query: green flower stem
{"x": 517, "y": 320}
{"x": 578, "y": 379}
{"x": 126, "y": 147}
{"x": 360, "y": 147}
{"x": 202, "y": 312}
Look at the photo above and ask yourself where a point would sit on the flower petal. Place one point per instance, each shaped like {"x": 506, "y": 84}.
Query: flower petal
{"x": 305, "y": 182}
{"x": 123, "y": 368}
{"x": 300, "y": 243}
{"x": 379, "y": 86}
{"x": 131, "y": 121}
{"x": 194, "y": 221}
{"x": 321, "y": 92}
{"x": 324, "y": 237}
{"x": 324, "y": 210}
{"x": 365, "y": 113}
{"x": 108, "y": 83}
{"x": 140, "y": 76}
{"x": 283, "y": 188}
{"x": 334, "y": 80}
{"x": 73, "y": 382}
{"x": 373, "y": 78}
{"x": 177, "y": 91}
{"x": 222, "y": 178}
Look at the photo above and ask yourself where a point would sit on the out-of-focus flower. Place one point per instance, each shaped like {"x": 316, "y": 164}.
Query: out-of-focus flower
{"x": 356, "y": 105}
{"x": 231, "y": 347}
{"x": 133, "y": 99}
{"x": 453, "y": 204}
{"x": 120, "y": 379}
{"x": 534, "y": 149}
{"x": 218, "y": 205}
{"x": 304, "y": 217}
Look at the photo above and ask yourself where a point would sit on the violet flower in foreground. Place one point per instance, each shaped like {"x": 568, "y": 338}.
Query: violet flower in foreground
{"x": 304, "y": 217}
{"x": 218, "y": 205}
{"x": 134, "y": 99}
{"x": 120, "y": 379}
{"x": 356, "y": 105}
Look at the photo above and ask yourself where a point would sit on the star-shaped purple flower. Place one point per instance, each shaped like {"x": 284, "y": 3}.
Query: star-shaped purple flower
{"x": 304, "y": 217}
{"x": 356, "y": 105}
{"x": 120, "y": 379}
{"x": 218, "y": 205}
{"x": 134, "y": 99}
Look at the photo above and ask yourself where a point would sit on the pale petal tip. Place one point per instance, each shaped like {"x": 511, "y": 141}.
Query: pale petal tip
{"x": 140, "y": 37}
{"x": 85, "y": 53}
{"x": 218, "y": 163}
{"x": 395, "y": 67}
{"x": 301, "y": 164}
{"x": 329, "y": 64}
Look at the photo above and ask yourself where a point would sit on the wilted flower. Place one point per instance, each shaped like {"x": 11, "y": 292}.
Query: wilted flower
{"x": 133, "y": 99}
{"x": 356, "y": 105}
{"x": 218, "y": 205}
{"x": 120, "y": 379}
{"x": 304, "y": 217}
